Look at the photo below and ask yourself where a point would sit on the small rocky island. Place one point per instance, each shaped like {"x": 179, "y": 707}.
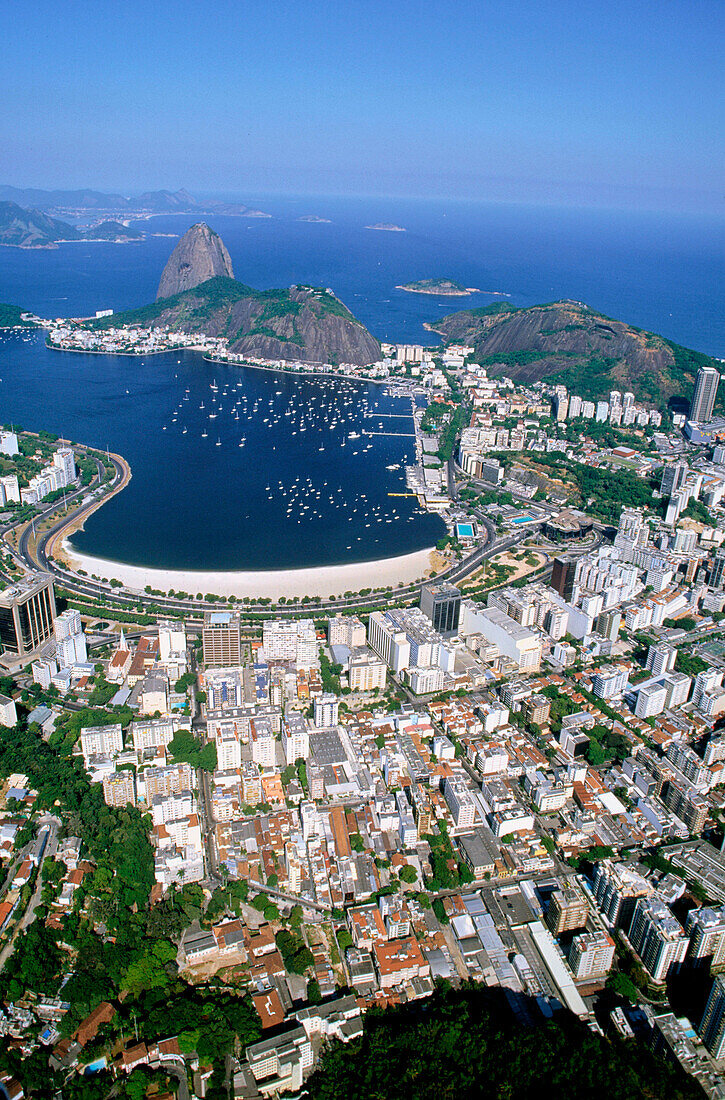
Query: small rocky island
{"x": 387, "y": 228}
{"x": 314, "y": 219}
{"x": 447, "y": 288}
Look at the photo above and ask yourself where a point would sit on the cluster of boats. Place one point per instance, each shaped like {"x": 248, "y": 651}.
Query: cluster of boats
{"x": 321, "y": 419}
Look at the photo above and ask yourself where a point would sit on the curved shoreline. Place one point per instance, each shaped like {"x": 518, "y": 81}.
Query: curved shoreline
{"x": 324, "y": 580}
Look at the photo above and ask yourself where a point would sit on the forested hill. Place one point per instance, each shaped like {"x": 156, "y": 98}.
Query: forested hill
{"x": 468, "y": 1044}
{"x": 299, "y": 323}
{"x": 570, "y": 343}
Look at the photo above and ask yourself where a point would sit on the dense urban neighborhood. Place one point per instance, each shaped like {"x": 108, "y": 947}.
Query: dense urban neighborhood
{"x": 235, "y": 832}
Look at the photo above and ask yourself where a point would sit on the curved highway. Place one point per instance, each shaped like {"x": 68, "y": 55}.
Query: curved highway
{"x": 41, "y": 557}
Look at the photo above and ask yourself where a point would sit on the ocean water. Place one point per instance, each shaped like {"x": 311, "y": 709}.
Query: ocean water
{"x": 662, "y": 272}
{"x": 193, "y": 504}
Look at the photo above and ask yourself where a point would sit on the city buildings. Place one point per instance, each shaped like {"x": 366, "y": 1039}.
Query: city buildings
{"x": 441, "y": 603}
{"x": 657, "y": 937}
{"x": 221, "y": 638}
{"x": 27, "y": 613}
{"x": 591, "y": 955}
{"x": 712, "y": 1025}
{"x": 70, "y": 642}
{"x": 705, "y": 392}
{"x": 566, "y": 912}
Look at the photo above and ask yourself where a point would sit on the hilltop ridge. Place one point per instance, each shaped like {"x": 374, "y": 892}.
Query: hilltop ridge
{"x": 566, "y": 341}
{"x": 302, "y": 323}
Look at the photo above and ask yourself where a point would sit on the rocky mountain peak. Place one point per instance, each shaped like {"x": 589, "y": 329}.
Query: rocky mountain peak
{"x": 199, "y": 255}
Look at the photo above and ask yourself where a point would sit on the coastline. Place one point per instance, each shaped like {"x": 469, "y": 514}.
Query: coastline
{"x": 331, "y": 580}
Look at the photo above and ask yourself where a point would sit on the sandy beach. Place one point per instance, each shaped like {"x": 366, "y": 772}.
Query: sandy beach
{"x": 332, "y": 580}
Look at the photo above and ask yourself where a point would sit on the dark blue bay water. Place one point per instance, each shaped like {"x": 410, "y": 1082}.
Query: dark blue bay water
{"x": 192, "y": 504}
{"x": 298, "y": 492}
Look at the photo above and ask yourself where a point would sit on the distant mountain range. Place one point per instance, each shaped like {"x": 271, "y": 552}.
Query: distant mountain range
{"x": 95, "y": 203}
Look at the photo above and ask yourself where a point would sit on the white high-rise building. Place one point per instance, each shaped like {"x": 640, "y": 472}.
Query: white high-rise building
{"x": 657, "y": 937}
{"x": 70, "y": 641}
{"x": 346, "y": 630}
{"x": 228, "y": 749}
{"x": 661, "y": 658}
{"x": 291, "y": 640}
{"x": 591, "y": 955}
{"x": 575, "y": 406}
{"x": 703, "y": 398}
{"x": 706, "y": 929}
{"x": 101, "y": 741}
{"x": 651, "y": 700}
{"x": 460, "y": 802}
{"x": 295, "y": 738}
{"x": 10, "y": 489}
{"x": 326, "y": 710}
{"x": 44, "y": 669}
{"x": 172, "y": 640}
{"x": 65, "y": 460}
{"x": 224, "y": 688}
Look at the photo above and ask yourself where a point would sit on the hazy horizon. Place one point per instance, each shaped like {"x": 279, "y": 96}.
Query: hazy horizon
{"x": 573, "y": 103}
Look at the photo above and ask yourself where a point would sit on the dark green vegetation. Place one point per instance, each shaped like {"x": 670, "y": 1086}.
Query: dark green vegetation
{"x": 185, "y": 747}
{"x": 34, "y": 229}
{"x": 448, "y": 872}
{"x": 570, "y": 343}
{"x": 11, "y": 317}
{"x": 295, "y": 953}
{"x": 604, "y": 492}
{"x": 302, "y": 322}
{"x": 112, "y": 941}
{"x": 468, "y": 1044}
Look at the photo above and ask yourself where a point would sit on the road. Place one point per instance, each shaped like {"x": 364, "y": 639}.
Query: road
{"x": 51, "y": 846}
{"x": 41, "y": 557}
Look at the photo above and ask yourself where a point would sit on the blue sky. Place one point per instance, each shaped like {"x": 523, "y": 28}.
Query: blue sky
{"x": 606, "y": 102}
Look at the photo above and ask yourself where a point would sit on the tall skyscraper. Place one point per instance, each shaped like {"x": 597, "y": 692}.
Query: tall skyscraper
{"x": 673, "y": 477}
{"x": 706, "y": 929}
{"x": 65, "y": 460}
{"x": 717, "y": 570}
{"x": 567, "y": 911}
{"x": 27, "y": 611}
{"x": 657, "y": 937}
{"x": 562, "y": 576}
{"x": 703, "y": 399}
{"x": 221, "y": 638}
{"x": 70, "y": 642}
{"x": 441, "y": 603}
{"x": 712, "y": 1025}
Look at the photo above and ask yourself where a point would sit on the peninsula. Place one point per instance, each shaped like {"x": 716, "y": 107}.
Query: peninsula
{"x": 200, "y": 304}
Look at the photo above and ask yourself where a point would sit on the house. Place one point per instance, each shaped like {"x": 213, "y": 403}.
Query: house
{"x": 399, "y": 961}
{"x": 88, "y": 1028}
{"x": 269, "y": 1008}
